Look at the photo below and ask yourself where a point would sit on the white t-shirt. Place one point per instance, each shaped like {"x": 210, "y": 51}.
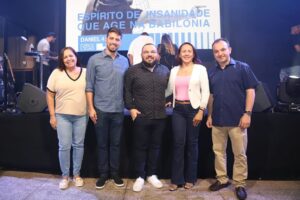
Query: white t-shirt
{"x": 43, "y": 46}
{"x": 69, "y": 93}
{"x": 135, "y": 48}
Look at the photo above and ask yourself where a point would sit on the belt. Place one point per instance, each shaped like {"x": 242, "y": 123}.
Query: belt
{"x": 182, "y": 102}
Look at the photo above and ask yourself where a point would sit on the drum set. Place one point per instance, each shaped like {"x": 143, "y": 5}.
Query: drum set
{"x": 8, "y": 95}
{"x": 7, "y": 91}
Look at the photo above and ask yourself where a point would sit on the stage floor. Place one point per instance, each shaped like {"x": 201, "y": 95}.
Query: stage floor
{"x": 36, "y": 186}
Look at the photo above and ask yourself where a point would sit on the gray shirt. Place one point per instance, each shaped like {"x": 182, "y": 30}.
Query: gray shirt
{"x": 105, "y": 77}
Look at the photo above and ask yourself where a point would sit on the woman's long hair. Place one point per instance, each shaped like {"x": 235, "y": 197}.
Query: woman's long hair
{"x": 168, "y": 44}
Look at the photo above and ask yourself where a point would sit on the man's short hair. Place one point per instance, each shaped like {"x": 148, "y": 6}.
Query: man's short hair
{"x": 144, "y": 33}
{"x": 114, "y": 30}
{"x": 221, "y": 39}
{"x": 51, "y": 34}
{"x": 147, "y": 45}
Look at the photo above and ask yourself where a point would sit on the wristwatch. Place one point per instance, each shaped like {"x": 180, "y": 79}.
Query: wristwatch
{"x": 249, "y": 113}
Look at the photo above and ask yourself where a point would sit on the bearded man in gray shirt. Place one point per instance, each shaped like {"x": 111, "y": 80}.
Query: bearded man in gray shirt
{"x": 104, "y": 91}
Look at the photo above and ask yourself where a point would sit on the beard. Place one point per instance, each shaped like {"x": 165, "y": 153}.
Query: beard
{"x": 112, "y": 48}
{"x": 149, "y": 65}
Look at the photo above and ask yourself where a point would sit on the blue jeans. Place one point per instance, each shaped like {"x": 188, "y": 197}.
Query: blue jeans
{"x": 71, "y": 133}
{"x": 185, "y": 145}
{"x": 108, "y": 128}
{"x": 147, "y": 136}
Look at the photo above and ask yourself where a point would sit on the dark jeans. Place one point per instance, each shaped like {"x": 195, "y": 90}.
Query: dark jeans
{"x": 147, "y": 136}
{"x": 185, "y": 145}
{"x": 108, "y": 132}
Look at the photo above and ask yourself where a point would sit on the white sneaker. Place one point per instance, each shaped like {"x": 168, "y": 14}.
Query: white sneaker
{"x": 64, "y": 184}
{"x": 154, "y": 181}
{"x": 138, "y": 184}
{"x": 78, "y": 181}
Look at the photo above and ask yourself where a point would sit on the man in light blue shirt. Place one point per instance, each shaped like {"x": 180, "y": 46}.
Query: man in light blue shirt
{"x": 104, "y": 91}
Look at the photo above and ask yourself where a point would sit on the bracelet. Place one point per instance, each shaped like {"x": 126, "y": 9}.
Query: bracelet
{"x": 203, "y": 109}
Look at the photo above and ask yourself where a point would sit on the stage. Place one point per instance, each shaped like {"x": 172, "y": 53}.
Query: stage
{"x": 27, "y": 142}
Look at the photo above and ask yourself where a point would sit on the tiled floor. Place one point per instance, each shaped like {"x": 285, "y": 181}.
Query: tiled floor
{"x": 15, "y": 185}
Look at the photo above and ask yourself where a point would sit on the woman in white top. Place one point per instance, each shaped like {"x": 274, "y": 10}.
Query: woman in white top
{"x": 68, "y": 113}
{"x": 188, "y": 83}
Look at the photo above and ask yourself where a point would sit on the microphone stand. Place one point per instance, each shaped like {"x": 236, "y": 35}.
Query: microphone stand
{"x": 41, "y": 71}
{"x": 39, "y": 55}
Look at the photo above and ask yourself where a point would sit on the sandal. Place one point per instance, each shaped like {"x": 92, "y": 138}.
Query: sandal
{"x": 188, "y": 186}
{"x": 173, "y": 187}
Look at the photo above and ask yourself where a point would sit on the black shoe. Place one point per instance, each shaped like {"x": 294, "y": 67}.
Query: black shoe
{"x": 118, "y": 181}
{"x": 101, "y": 182}
{"x": 241, "y": 193}
{"x": 218, "y": 185}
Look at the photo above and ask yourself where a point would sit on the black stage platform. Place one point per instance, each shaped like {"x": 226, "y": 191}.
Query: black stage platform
{"x": 27, "y": 142}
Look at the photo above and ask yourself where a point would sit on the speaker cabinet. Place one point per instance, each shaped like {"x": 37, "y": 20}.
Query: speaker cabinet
{"x": 263, "y": 100}
{"x": 32, "y": 99}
